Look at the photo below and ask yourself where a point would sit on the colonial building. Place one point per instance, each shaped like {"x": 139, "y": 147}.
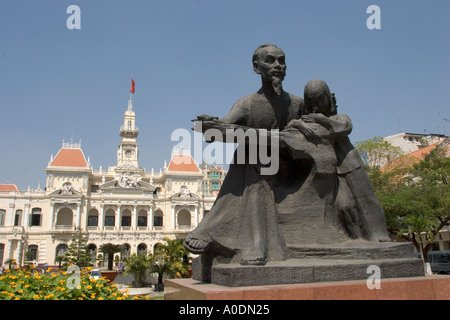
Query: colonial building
{"x": 122, "y": 205}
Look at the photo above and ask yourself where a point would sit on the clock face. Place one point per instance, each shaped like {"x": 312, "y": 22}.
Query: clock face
{"x": 128, "y": 153}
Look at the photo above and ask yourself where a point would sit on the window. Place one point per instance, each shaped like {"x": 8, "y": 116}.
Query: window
{"x": 214, "y": 175}
{"x": 126, "y": 221}
{"x": 61, "y": 250}
{"x": 33, "y": 252}
{"x": 93, "y": 221}
{"x": 35, "y": 219}
{"x": 110, "y": 218}
{"x": 142, "y": 221}
{"x": 215, "y": 185}
{"x": 158, "y": 218}
{"x": 18, "y": 218}
{"x": 2, "y": 217}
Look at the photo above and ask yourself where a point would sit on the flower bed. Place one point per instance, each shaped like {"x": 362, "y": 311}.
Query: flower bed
{"x": 18, "y": 284}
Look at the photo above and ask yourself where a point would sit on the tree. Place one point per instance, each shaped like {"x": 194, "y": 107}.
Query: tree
{"x": 110, "y": 249}
{"x": 415, "y": 197}
{"x": 137, "y": 265}
{"x": 169, "y": 258}
{"x": 376, "y": 152}
{"x": 78, "y": 252}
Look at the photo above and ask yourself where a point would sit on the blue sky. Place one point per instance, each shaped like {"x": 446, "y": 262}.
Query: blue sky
{"x": 190, "y": 57}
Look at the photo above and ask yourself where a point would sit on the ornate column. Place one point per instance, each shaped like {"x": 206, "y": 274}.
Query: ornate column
{"x": 173, "y": 217}
{"x": 26, "y": 216}
{"x": 52, "y": 215}
{"x": 77, "y": 224}
{"x": 19, "y": 252}
{"x": 10, "y": 220}
{"x": 135, "y": 217}
{"x": 150, "y": 217}
{"x": 196, "y": 215}
{"x": 102, "y": 216}
{"x": 8, "y": 250}
{"x": 118, "y": 214}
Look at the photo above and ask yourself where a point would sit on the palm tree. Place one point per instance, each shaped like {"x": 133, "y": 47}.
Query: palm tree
{"x": 159, "y": 265}
{"x": 137, "y": 265}
{"x": 110, "y": 249}
{"x": 169, "y": 259}
{"x": 175, "y": 254}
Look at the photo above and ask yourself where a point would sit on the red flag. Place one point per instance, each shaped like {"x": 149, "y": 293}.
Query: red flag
{"x": 132, "y": 86}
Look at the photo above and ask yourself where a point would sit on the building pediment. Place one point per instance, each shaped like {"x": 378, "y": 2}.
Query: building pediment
{"x": 184, "y": 195}
{"x": 67, "y": 190}
{"x": 127, "y": 183}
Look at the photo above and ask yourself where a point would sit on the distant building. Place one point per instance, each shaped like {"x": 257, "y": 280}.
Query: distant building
{"x": 122, "y": 205}
{"x": 409, "y": 142}
{"x": 213, "y": 177}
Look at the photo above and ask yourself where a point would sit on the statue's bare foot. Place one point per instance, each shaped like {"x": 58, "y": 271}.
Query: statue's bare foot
{"x": 195, "y": 245}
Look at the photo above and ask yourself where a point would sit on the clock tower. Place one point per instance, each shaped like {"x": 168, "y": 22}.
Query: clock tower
{"x": 127, "y": 154}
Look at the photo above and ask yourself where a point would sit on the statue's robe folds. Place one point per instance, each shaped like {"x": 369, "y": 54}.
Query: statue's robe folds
{"x": 244, "y": 218}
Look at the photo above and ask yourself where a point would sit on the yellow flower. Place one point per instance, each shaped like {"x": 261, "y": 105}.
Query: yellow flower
{"x": 27, "y": 285}
{"x": 20, "y": 291}
{"x": 36, "y": 296}
{"x": 93, "y": 296}
{"x": 58, "y": 288}
{"x": 89, "y": 287}
{"x": 100, "y": 298}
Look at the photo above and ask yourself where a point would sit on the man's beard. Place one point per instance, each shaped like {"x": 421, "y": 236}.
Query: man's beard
{"x": 277, "y": 85}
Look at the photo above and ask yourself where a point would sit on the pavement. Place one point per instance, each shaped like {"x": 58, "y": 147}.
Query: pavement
{"x": 125, "y": 283}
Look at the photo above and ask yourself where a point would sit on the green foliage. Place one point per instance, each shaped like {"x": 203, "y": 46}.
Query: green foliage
{"x": 77, "y": 252}
{"x": 110, "y": 249}
{"x": 415, "y": 198}
{"x": 17, "y": 284}
{"x": 170, "y": 258}
{"x": 376, "y": 151}
{"x": 137, "y": 265}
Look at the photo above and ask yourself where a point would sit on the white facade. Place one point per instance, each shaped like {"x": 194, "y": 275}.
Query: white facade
{"x": 122, "y": 205}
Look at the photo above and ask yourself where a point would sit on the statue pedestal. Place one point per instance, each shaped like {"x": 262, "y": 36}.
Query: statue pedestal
{"x": 415, "y": 288}
{"x": 315, "y": 263}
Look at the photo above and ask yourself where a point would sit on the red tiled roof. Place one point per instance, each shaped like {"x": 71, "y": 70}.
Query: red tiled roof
{"x": 183, "y": 163}
{"x": 409, "y": 159}
{"x": 8, "y": 187}
{"x": 69, "y": 158}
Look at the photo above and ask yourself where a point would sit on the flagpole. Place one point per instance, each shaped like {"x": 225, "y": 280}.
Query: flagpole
{"x": 131, "y": 99}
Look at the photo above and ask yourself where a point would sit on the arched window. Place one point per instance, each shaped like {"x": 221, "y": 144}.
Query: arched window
{"x": 110, "y": 217}
{"x": 184, "y": 219}
{"x": 158, "y": 218}
{"x": 92, "y": 249}
{"x": 93, "y": 218}
{"x": 126, "y": 250}
{"x": 2, "y": 217}
{"x": 33, "y": 252}
{"x": 65, "y": 217}
{"x": 142, "y": 218}
{"x": 18, "y": 218}
{"x": 61, "y": 250}
{"x": 35, "y": 219}
{"x": 126, "y": 218}
{"x": 142, "y": 249}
